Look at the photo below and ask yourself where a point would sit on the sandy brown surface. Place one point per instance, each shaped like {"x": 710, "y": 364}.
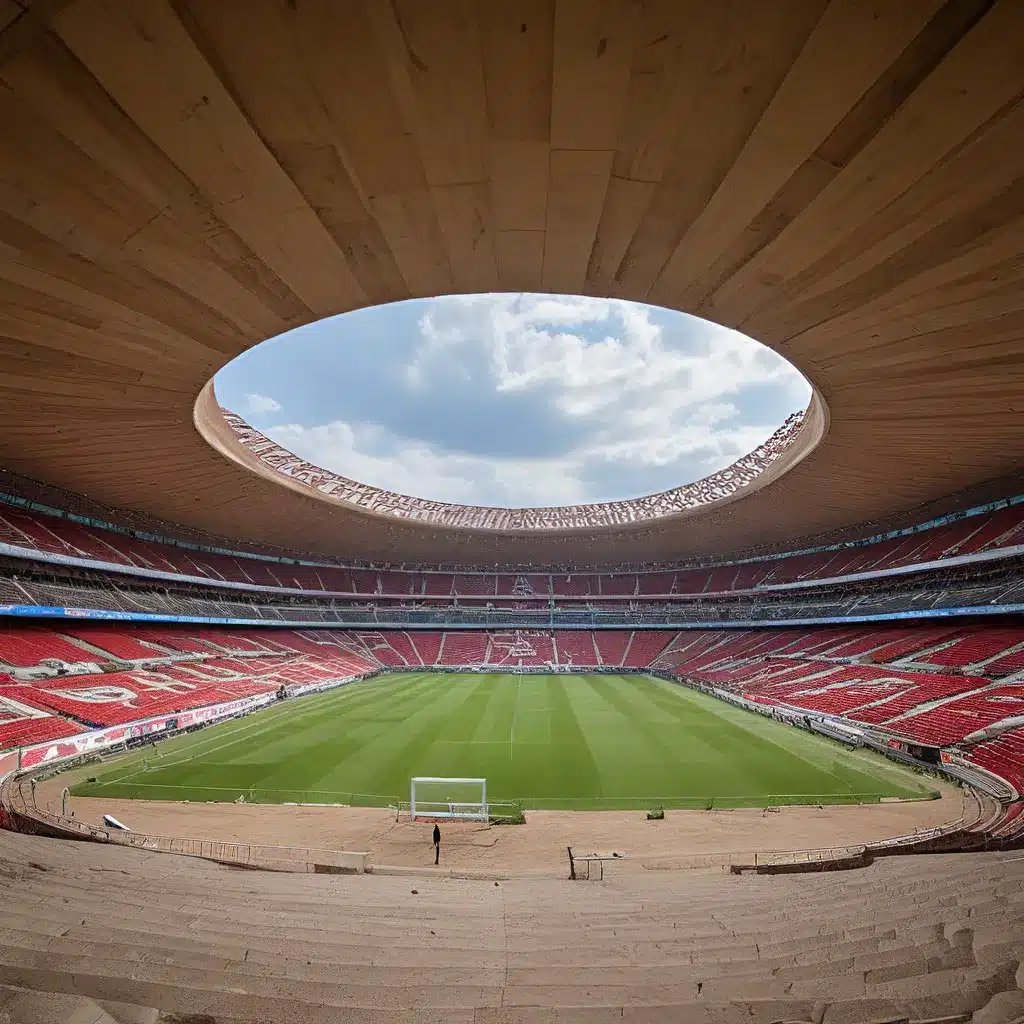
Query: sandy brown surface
{"x": 684, "y": 838}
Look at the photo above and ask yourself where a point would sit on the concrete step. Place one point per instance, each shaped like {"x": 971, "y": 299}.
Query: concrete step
{"x": 125, "y": 1013}
{"x": 340, "y": 929}
{"x": 261, "y": 998}
{"x": 23, "y": 1006}
{"x": 907, "y": 938}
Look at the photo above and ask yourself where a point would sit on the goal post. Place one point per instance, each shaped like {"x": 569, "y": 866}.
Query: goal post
{"x": 437, "y": 797}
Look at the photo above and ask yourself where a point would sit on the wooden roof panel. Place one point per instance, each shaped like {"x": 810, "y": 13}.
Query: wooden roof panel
{"x": 179, "y": 181}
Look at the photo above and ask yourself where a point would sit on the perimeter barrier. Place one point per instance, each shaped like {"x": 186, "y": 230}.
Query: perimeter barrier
{"x": 17, "y": 798}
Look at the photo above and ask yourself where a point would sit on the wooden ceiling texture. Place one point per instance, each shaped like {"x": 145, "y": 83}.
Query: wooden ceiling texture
{"x": 840, "y": 179}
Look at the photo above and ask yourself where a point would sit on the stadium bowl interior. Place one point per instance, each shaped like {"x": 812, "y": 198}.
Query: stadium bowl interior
{"x": 840, "y": 180}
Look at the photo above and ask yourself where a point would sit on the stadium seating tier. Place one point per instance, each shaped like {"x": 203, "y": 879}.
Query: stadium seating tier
{"x": 986, "y": 532}
{"x": 934, "y": 685}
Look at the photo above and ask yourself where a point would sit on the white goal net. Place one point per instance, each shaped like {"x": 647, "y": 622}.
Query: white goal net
{"x": 433, "y": 797}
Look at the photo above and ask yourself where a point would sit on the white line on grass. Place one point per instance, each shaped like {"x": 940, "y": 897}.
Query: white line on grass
{"x": 473, "y": 743}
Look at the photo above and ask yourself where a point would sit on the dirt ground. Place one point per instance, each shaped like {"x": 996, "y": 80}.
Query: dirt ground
{"x": 682, "y": 839}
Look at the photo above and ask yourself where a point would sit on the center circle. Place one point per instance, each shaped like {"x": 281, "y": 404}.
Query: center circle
{"x": 515, "y": 401}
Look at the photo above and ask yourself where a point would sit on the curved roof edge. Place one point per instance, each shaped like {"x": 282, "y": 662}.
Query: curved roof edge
{"x": 232, "y": 436}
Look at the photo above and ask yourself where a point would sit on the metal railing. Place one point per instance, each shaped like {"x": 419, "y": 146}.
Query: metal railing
{"x": 820, "y": 856}
{"x": 17, "y": 796}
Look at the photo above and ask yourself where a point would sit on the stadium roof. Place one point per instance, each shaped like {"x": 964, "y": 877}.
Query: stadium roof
{"x": 839, "y": 181}
{"x": 746, "y": 473}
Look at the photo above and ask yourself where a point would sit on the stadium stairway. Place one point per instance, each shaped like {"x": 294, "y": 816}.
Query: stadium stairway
{"x": 122, "y": 934}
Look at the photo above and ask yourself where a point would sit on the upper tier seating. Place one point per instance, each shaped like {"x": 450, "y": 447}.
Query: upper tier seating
{"x": 525, "y": 585}
{"x": 987, "y": 532}
{"x": 476, "y": 584}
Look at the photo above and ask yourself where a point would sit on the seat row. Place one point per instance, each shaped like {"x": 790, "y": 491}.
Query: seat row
{"x": 991, "y": 531}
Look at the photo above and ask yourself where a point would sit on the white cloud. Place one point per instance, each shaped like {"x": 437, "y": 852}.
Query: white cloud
{"x": 647, "y": 401}
{"x": 261, "y": 404}
{"x": 417, "y": 469}
{"x": 471, "y": 480}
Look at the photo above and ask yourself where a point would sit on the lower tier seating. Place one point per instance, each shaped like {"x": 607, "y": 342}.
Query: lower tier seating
{"x": 184, "y": 670}
{"x": 1004, "y": 755}
{"x": 24, "y": 730}
{"x": 935, "y": 685}
{"x": 907, "y": 939}
{"x": 894, "y": 680}
{"x": 120, "y": 697}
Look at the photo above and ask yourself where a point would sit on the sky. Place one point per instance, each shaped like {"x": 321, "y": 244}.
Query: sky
{"x": 515, "y": 400}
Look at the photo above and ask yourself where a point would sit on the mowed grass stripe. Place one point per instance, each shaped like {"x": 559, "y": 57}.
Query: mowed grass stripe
{"x": 497, "y": 721}
{"x": 718, "y": 740}
{"x": 660, "y": 756}
{"x": 558, "y": 741}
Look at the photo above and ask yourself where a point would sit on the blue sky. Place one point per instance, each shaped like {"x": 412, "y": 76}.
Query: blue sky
{"x": 515, "y": 400}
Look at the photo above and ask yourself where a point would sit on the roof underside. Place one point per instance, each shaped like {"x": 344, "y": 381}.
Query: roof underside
{"x": 840, "y": 180}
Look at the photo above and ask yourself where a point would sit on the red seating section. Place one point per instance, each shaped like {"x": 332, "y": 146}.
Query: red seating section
{"x": 39, "y": 532}
{"x": 186, "y": 670}
{"x": 977, "y": 649}
{"x": 612, "y": 645}
{"x": 28, "y": 646}
{"x": 463, "y": 649}
{"x": 575, "y": 648}
{"x": 955, "y": 720}
{"x": 114, "y": 641}
{"x": 403, "y": 647}
{"x": 515, "y": 648}
{"x": 22, "y": 723}
{"x": 26, "y": 731}
{"x": 644, "y": 648}
{"x": 522, "y": 648}
{"x": 476, "y": 584}
{"x": 379, "y": 649}
{"x": 933, "y": 685}
{"x": 909, "y": 682}
{"x": 1004, "y": 755}
{"x": 119, "y": 697}
{"x": 428, "y": 646}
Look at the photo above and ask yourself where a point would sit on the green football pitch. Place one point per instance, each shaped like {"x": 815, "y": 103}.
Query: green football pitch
{"x": 559, "y": 742}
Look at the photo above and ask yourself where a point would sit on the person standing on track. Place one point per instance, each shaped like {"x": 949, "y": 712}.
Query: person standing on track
{"x": 437, "y": 845}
